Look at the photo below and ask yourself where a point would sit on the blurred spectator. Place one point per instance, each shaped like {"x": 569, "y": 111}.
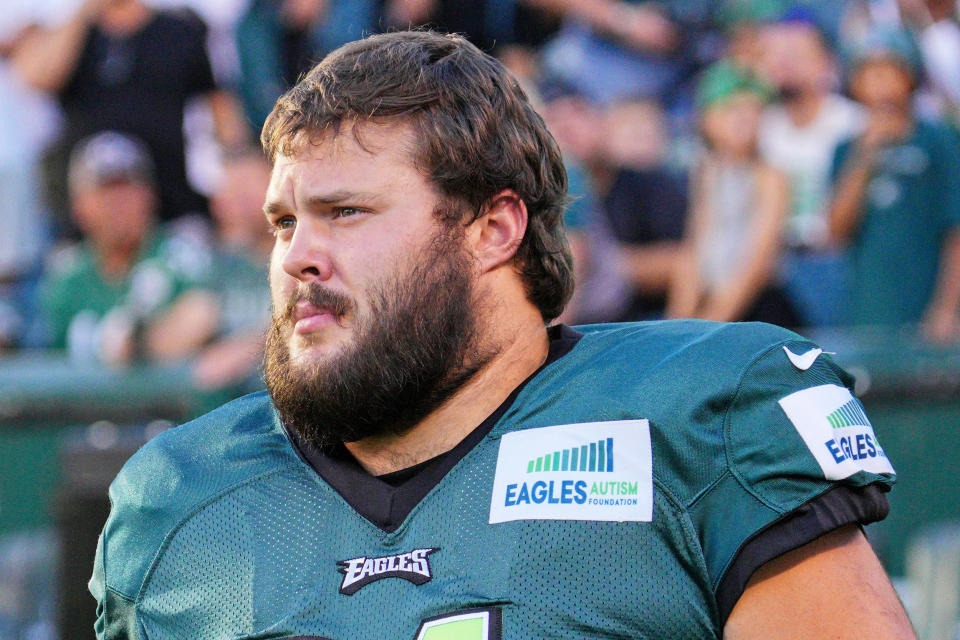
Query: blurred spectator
{"x": 798, "y": 137}
{"x": 576, "y": 123}
{"x": 613, "y": 49}
{"x": 120, "y": 65}
{"x": 489, "y": 24}
{"x": 862, "y": 19}
{"x": 238, "y": 286}
{"x": 644, "y": 204}
{"x": 743, "y": 24}
{"x": 896, "y": 200}
{"x": 125, "y": 293}
{"x": 827, "y": 15}
{"x": 277, "y": 40}
{"x": 938, "y": 34}
{"x": 738, "y": 209}
{"x": 27, "y": 122}
{"x": 577, "y": 219}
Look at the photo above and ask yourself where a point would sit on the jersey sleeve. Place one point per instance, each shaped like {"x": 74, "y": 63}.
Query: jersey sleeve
{"x": 115, "y": 611}
{"x": 156, "y": 488}
{"x": 161, "y": 487}
{"x": 802, "y": 459}
{"x": 143, "y": 508}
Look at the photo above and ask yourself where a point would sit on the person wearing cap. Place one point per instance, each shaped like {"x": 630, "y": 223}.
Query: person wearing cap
{"x": 896, "y": 199}
{"x": 124, "y": 293}
{"x": 738, "y": 206}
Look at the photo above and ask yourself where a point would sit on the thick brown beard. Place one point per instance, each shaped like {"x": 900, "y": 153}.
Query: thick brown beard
{"x": 418, "y": 346}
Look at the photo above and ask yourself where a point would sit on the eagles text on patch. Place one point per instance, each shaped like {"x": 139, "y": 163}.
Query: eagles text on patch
{"x": 834, "y": 426}
{"x": 413, "y": 566}
{"x": 584, "y": 471}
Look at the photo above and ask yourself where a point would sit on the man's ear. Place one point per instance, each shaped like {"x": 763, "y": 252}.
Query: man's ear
{"x": 495, "y": 236}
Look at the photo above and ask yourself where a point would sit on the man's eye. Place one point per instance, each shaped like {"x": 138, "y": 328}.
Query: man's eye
{"x": 346, "y": 212}
{"x": 283, "y": 224}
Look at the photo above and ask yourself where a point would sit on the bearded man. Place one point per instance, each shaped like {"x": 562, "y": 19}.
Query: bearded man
{"x": 433, "y": 461}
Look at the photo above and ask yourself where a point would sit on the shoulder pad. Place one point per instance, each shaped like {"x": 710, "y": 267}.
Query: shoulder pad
{"x": 174, "y": 474}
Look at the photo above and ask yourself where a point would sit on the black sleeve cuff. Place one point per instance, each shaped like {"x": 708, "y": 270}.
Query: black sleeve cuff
{"x": 837, "y": 507}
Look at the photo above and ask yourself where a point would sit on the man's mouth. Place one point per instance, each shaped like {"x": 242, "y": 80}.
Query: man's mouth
{"x": 308, "y": 317}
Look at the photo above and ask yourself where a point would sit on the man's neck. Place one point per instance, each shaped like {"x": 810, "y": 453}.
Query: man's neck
{"x": 523, "y": 349}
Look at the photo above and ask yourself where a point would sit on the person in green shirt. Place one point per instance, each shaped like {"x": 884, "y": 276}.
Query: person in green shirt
{"x": 125, "y": 293}
{"x": 239, "y": 294}
{"x": 896, "y": 201}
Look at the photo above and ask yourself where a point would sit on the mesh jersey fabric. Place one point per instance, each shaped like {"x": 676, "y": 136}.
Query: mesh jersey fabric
{"x": 219, "y": 530}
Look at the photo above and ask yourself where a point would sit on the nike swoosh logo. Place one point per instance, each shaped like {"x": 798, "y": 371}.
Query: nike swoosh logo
{"x": 805, "y": 361}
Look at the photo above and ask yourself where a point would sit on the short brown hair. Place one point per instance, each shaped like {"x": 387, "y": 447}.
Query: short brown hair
{"x": 475, "y": 129}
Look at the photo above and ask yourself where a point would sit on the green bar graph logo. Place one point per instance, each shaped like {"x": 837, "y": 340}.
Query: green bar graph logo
{"x": 596, "y": 457}
{"x": 849, "y": 415}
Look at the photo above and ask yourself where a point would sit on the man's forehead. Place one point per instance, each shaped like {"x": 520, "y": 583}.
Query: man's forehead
{"x": 391, "y": 139}
{"x": 371, "y": 159}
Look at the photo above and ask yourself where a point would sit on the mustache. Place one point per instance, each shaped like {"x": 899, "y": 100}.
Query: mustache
{"x": 316, "y": 294}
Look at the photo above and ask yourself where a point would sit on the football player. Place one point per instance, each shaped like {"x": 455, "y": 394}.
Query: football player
{"x": 432, "y": 460}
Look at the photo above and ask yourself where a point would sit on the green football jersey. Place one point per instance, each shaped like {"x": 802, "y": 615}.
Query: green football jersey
{"x": 628, "y": 489}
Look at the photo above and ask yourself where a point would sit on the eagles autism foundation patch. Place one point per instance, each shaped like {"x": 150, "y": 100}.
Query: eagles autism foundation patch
{"x": 583, "y": 471}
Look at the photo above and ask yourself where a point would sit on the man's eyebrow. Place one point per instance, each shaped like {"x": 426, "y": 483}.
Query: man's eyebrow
{"x": 318, "y": 201}
{"x": 275, "y": 208}
{"x": 336, "y": 197}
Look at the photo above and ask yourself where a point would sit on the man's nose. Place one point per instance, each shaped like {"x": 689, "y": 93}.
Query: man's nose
{"x": 307, "y": 256}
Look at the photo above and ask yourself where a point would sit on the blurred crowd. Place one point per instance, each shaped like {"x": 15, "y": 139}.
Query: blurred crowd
{"x": 788, "y": 161}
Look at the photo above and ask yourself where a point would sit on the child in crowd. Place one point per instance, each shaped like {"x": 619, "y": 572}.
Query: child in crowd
{"x": 738, "y": 209}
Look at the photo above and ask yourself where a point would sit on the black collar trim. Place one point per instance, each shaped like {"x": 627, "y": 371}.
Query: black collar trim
{"x": 387, "y": 500}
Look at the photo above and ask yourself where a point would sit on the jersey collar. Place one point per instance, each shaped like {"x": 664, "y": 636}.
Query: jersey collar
{"x": 387, "y": 500}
